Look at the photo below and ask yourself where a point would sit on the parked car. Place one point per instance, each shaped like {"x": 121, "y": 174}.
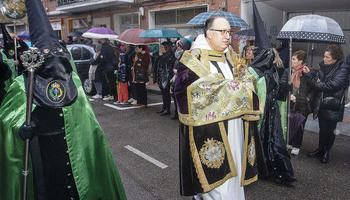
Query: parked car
{"x": 82, "y": 55}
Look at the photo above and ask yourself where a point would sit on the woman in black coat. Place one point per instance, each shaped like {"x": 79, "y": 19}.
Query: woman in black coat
{"x": 330, "y": 83}
{"x": 164, "y": 66}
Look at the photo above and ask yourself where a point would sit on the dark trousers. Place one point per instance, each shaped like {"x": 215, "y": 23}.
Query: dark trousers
{"x": 175, "y": 103}
{"x": 297, "y": 140}
{"x": 141, "y": 93}
{"x": 166, "y": 98}
{"x": 326, "y": 134}
{"x": 111, "y": 84}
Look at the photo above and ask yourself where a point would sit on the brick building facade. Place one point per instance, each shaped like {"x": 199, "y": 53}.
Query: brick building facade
{"x": 76, "y": 15}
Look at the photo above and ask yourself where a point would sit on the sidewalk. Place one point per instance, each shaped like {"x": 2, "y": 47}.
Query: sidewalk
{"x": 343, "y": 127}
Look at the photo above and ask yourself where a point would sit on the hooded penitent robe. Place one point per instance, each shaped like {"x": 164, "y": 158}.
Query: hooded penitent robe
{"x": 271, "y": 88}
{"x": 92, "y": 163}
{"x": 217, "y": 108}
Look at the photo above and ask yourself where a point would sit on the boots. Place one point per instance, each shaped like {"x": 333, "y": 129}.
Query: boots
{"x": 317, "y": 153}
{"x": 325, "y": 158}
{"x": 165, "y": 112}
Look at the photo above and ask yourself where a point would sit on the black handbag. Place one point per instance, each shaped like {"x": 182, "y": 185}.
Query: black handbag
{"x": 140, "y": 76}
{"x": 332, "y": 103}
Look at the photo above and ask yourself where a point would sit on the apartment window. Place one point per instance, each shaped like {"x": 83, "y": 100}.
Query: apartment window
{"x": 128, "y": 22}
{"x": 179, "y": 16}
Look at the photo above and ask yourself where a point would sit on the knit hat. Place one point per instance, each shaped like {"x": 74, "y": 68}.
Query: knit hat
{"x": 185, "y": 44}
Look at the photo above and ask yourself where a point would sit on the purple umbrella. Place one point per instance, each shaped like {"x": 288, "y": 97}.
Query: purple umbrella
{"x": 24, "y": 35}
{"x": 100, "y": 32}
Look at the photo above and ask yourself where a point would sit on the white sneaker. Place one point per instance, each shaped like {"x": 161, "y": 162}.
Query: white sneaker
{"x": 108, "y": 98}
{"x": 130, "y": 100}
{"x": 295, "y": 151}
{"x": 117, "y": 102}
{"x": 124, "y": 103}
{"x": 289, "y": 147}
{"x": 134, "y": 102}
{"x": 97, "y": 96}
{"x": 347, "y": 105}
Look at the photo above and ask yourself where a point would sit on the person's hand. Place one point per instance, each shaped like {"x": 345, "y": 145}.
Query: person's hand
{"x": 318, "y": 80}
{"x": 16, "y": 62}
{"x": 175, "y": 71}
{"x": 306, "y": 70}
{"x": 292, "y": 98}
{"x": 151, "y": 54}
{"x": 26, "y": 132}
{"x": 289, "y": 87}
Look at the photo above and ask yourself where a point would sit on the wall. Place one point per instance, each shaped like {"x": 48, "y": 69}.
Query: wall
{"x": 271, "y": 17}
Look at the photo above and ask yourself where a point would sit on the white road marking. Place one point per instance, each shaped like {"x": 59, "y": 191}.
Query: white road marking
{"x": 130, "y": 106}
{"x": 145, "y": 156}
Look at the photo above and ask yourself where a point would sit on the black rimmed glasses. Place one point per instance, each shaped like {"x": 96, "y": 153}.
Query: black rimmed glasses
{"x": 223, "y": 32}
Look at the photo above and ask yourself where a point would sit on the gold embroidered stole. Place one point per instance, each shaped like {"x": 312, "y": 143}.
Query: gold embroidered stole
{"x": 211, "y": 100}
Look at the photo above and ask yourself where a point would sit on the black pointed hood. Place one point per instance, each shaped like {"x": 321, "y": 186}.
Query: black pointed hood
{"x": 53, "y": 86}
{"x": 41, "y": 32}
{"x": 261, "y": 39}
{"x": 9, "y": 45}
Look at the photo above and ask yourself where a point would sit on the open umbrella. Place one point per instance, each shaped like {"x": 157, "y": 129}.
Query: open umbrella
{"x": 24, "y": 35}
{"x": 100, "y": 32}
{"x": 131, "y": 36}
{"x": 312, "y": 28}
{"x": 77, "y": 34}
{"x": 235, "y": 21}
{"x": 246, "y": 34}
{"x": 160, "y": 33}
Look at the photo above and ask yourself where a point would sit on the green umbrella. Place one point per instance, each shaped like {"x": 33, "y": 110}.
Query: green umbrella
{"x": 160, "y": 33}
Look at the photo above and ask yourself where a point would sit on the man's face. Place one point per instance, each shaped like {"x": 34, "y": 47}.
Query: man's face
{"x": 218, "y": 35}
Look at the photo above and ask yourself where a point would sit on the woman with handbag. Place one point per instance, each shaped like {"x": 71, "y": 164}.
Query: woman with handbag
{"x": 301, "y": 98}
{"x": 164, "y": 66}
{"x": 330, "y": 83}
{"x": 140, "y": 75}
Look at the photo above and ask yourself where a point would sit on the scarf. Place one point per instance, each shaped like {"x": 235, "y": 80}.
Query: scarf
{"x": 296, "y": 74}
{"x": 327, "y": 68}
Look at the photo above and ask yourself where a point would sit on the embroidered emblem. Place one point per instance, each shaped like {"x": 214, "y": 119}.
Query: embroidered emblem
{"x": 212, "y": 153}
{"x": 11, "y": 52}
{"x": 55, "y": 91}
{"x": 251, "y": 152}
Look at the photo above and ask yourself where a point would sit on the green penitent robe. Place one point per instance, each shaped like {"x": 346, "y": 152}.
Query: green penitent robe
{"x": 94, "y": 169}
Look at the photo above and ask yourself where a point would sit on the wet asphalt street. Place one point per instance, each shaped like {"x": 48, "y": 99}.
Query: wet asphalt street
{"x": 145, "y": 148}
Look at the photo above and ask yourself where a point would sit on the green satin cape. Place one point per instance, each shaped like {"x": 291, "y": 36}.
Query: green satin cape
{"x": 93, "y": 166}
{"x": 282, "y": 105}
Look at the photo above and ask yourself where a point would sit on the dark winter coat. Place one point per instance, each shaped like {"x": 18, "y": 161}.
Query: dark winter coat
{"x": 123, "y": 75}
{"x": 304, "y": 97}
{"x": 164, "y": 67}
{"x": 107, "y": 57}
{"x": 330, "y": 100}
{"x": 141, "y": 65}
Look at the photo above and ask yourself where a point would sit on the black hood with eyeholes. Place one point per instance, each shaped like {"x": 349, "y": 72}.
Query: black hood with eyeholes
{"x": 53, "y": 86}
